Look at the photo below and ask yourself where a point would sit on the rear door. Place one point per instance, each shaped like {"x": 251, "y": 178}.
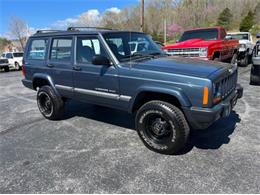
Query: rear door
{"x": 59, "y": 64}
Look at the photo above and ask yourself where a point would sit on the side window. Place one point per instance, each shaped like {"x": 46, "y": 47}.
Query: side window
{"x": 87, "y": 48}
{"x": 37, "y": 49}
{"x": 9, "y": 55}
{"x": 61, "y": 49}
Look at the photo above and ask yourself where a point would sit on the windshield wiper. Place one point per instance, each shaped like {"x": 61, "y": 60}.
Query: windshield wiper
{"x": 141, "y": 55}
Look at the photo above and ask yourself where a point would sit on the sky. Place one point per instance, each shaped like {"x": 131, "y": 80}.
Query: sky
{"x": 49, "y": 13}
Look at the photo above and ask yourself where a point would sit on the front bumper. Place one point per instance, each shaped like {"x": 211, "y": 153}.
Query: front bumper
{"x": 202, "y": 118}
{"x": 4, "y": 65}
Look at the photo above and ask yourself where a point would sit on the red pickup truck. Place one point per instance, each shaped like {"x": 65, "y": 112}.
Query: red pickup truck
{"x": 206, "y": 43}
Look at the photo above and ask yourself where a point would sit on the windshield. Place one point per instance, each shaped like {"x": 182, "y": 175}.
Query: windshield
{"x": 128, "y": 46}
{"x": 239, "y": 36}
{"x": 205, "y": 34}
{"x": 18, "y": 54}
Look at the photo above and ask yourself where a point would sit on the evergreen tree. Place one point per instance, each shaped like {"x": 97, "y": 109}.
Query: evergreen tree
{"x": 225, "y": 18}
{"x": 247, "y": 22}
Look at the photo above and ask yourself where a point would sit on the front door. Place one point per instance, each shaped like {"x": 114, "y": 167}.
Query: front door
{"x": 98, "y": 84}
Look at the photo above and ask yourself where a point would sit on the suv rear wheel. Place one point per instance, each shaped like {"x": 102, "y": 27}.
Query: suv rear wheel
{"x": 244, "y": 62}
{"x": 50, "y": 105}
{"x": 162, "y": 127}
{"x": 234, "y": 59}
{"x": 17, "y": 66}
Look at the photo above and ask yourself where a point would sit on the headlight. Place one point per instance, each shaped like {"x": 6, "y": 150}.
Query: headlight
{"x": 203, "y": 52}
{"x": 216, "y": 93}
{"x": 242, "y": 46}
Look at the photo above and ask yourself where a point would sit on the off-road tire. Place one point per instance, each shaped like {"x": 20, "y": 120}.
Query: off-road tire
{"x": 179, "y": 128}
{"x": 56, "y": 103}
{"x": 244, "y": 62}
{"x": 17, "y": 66}
{"x": 7, "y": 69}
{"x": 253, "y": 81}
{"x": 234, "y": 59}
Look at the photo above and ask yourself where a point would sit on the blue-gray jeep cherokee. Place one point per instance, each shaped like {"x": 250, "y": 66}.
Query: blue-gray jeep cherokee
{"x": 126, "y": 70}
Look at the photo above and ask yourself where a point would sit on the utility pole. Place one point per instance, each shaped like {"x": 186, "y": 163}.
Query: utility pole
{"x": 142, "y": 16}
{"x": 165, "y": 31}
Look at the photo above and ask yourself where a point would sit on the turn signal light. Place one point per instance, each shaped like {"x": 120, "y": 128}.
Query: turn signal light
{"x": 205, "y": 95}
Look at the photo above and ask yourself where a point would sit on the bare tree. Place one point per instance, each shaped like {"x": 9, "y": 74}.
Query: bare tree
{"x": 19, "y": 30}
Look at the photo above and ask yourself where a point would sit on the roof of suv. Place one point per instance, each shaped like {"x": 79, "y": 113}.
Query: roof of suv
{"x": 41, "y": 33}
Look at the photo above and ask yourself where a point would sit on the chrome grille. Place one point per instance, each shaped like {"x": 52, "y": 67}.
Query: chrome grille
{"x": 3, "y": 61}
{"x": 186, "y": 52}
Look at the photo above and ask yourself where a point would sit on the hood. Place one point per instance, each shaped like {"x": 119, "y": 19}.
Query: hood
{"x": 191, "y": 43}
{"x": 180, "y": 65}
{"x": 244, "y": 41}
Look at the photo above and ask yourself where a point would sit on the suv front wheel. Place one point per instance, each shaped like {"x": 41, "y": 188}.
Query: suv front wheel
{"x": 50, "y": 105}
{"x": 162, "y": 127}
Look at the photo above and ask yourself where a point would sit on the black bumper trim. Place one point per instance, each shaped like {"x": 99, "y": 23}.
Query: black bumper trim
{"x": 27, "y": 83}
{"x": 202, "y": 118}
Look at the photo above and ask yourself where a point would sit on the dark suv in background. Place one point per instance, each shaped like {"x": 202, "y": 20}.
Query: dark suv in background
{"x": 168, "y": 95}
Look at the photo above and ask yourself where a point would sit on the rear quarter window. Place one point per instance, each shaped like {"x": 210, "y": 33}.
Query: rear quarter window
{"x": 37, "y": 49}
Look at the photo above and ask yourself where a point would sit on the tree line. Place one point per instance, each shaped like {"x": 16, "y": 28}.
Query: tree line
{"x": 234, "y": 15}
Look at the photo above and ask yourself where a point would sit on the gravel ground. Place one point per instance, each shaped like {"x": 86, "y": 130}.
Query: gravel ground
{"x": 96, "y": 150}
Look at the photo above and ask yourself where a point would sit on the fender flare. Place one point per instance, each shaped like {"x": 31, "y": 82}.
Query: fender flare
{"x": 47, "y": 78}
{"x": 173, "y": 91}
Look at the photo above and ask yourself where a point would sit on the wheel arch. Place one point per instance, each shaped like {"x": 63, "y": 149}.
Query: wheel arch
{"x": 216, "y": 54}
{"x": 40, "y": 80}
{"x": 175, "y": 97}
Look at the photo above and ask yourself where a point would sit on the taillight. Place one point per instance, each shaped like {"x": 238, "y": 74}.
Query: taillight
{"x": 23, "y": 68}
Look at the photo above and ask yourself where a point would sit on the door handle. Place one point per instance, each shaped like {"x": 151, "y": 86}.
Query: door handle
{"x": 50, "y": 65}
{"x": 77, "y": 68}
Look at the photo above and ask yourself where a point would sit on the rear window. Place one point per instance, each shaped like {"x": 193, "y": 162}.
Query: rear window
{"x": 17, "y": 55}
{"x": 61, "y": 49}
{"x": 239, "y": 36}
{"x": 37, "y": 49}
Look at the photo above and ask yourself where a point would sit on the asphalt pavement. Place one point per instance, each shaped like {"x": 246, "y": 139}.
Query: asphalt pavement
{"x": 97, "y": 150}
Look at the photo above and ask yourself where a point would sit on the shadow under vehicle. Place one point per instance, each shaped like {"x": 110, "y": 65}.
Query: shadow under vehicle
{"x": 255, "y": 69}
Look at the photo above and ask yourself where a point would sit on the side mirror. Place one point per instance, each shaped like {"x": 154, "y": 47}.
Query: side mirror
{"x": 100, "y": 60}
{"x": 177, "y": 41}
